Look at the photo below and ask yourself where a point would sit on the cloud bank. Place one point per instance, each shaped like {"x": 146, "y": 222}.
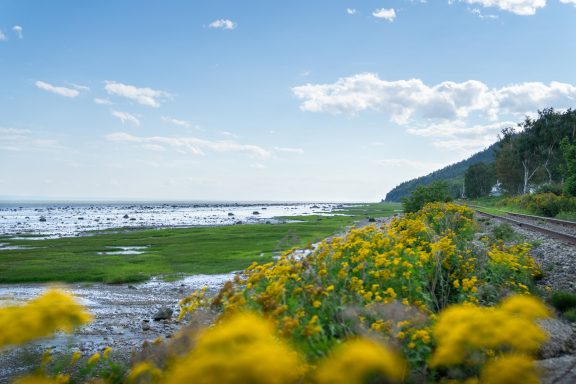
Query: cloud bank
{"x": 191, "y": 145}
{"x": 405, "y": 100}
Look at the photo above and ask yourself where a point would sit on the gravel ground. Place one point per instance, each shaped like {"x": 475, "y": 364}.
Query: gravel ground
{"x": 568, "y": 229}
{"x": 557, "y": 258}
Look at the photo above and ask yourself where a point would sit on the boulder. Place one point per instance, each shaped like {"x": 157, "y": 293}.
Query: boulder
{"x": 559, "y": 370}
{"x": 163, "y": 313}
{"x": 561, "y": 338}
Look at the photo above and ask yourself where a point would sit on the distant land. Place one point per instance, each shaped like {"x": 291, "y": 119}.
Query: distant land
{"x": 453, "y": 174}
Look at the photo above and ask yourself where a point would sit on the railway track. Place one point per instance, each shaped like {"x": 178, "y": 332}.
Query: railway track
{"x": 534, "y": 223}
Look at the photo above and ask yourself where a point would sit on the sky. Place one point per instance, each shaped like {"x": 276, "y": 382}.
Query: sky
{"x": 300, "y": 100}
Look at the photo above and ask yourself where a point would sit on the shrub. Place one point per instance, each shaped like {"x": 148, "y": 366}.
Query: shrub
{"x": 563, "y": 300}
{"x": 570, "y": 315}
{"x": 545, "y": 204}
{"x": 550, "y": 188}
{"x": 503, "y": 232}
{"x": 423, "y": 194}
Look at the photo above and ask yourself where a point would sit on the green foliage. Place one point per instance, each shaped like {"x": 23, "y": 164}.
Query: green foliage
{"x": 522, "y": 160}
{"x": 569, "y": 154}
{"x": 549, "y": 188}
{"x": 479, "y": 179}
{"x": 503, "y": 232}
{"x": 544, "y": 204}
{"x": 541, "y": 153}
{"x": 563, "y": 300}
{"x": 452, "y": 174}
{"x": 423, "y": 194}
{"x": 570, "y": 315}
{"x": 568, "y": 216}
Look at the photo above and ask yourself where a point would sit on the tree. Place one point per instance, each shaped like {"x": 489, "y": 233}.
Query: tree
{"x": 569, "y": 153}
{"x": 508, "y": 165}
{"x": 423, "y": 194}
{"x": 479, "y": 179}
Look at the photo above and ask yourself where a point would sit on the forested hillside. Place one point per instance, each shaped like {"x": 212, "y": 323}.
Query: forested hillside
{"x": 453, "y": 174}
{"x": 540, "y": 156}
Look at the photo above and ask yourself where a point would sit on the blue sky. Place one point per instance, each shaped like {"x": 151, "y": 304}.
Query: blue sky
{"x": 266, "y": 100}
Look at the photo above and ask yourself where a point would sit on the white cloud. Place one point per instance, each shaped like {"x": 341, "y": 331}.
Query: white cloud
{"x": 14, "y": 139}
{"x": 518, "y": 7}
{"x": 478, "y": 12}
{"x": 18, "y": 31}
{"x": 62, "y": 91}
{"x": 182, "y": 123}
{"x": 386, "y": 14}
{"x": 223, "y": 24}
{"x": 568, "y": 2}
{"x": 100, "y": 101}
{"x": 145, "y": 96}
{"x": 229, "y": 134}
{"x": 11, "y": 133}
{"x": 461, "y": 137}
{"x": 192, "y": 145}
{"x": 2, "y": 36}
{"x": 406, "y": 100}
{"x": 466, "y": 146}
{"x": 289, "y": 150}
{"x": 126, "y": 117}
{"x": 80, "y": 87}
{"x": 351, "y": 11}
{"x": 460, "y": 128}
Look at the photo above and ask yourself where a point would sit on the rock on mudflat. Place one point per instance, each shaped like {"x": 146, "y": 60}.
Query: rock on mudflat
{"x": 163, "y": 313}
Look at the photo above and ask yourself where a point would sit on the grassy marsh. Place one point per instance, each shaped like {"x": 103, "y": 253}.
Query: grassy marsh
{"x": 169, "y": 251}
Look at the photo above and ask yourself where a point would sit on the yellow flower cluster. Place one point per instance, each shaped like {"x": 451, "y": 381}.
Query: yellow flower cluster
{"x": 53, "y": 311}
{"x": 242, "y": 349}
{"x": 422, "y": 260}
{"x": 494, "y": 337}
{"x": 361, "y": 361}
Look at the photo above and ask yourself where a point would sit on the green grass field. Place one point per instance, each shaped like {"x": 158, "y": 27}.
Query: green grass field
{"x": 172, "y": 251}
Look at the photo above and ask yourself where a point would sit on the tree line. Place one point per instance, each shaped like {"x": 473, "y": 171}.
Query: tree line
{"x": 538, "y": 156}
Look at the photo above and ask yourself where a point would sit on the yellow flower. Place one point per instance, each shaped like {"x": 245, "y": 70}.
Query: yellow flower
{"x": 360, "y": 361}
{"x": 75, "y": 357}
{"x": 144, "y": 368}
{"x": 526, "y": 306}
{"x": 106, "y": 353}
{"x": 313, "y": 327}
{"x": 464, "y": 330}
{"x": 241, "y": 349}
{"x": 51, "y": 312}
{"x": 40, "y": 379}
{"x": 510, "y": 369}
{"x": 93, "y": 359}
{"x": 316, "y": 304}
